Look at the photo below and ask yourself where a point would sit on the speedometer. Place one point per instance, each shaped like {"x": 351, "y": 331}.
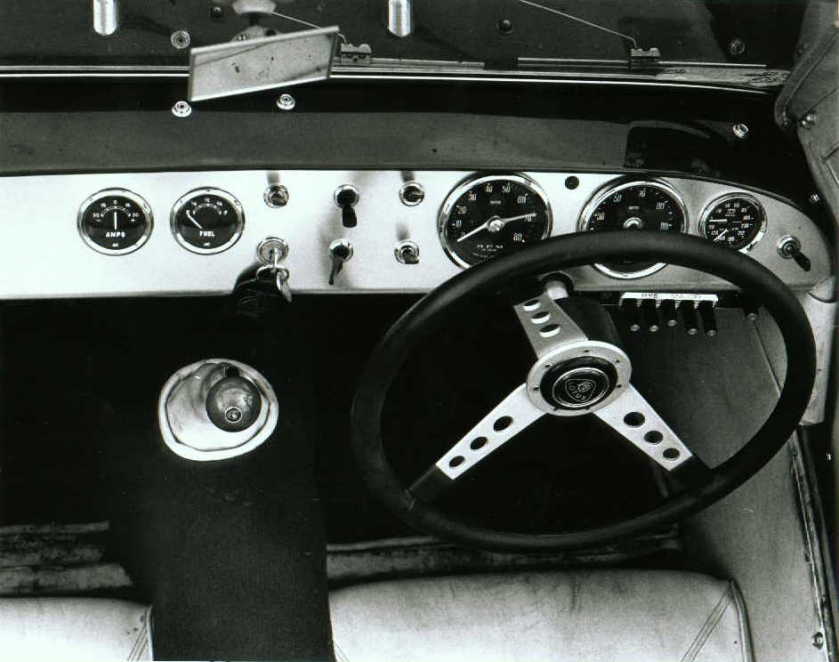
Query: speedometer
{"x": 735, "y": 220}
{"x": 649, "y": 206}
{"x": 491, "y": 215}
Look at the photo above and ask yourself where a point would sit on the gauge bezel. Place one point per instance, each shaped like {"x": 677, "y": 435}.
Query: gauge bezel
{"x": 207, "y": 190}
{"x": 475, "y": 180}
{"x": 706, "y": 212}
{"x": 611, "y": 188}
{"x": 124, "y": 193}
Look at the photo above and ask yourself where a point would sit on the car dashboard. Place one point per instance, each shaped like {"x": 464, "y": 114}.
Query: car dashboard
{"x": 368, "y": 231}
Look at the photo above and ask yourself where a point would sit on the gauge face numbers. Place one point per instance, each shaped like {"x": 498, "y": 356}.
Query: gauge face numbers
{"x": 634, "y": 206}
{"x": 492, "y": 215}
{"x": 207, "y": 221}
{"x": 736, "y": 221}
{"x": 115, "y": 221}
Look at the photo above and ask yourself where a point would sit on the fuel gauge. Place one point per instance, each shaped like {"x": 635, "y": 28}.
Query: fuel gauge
{"x": 115, "y": 221}
{"x": 207, "y": 220}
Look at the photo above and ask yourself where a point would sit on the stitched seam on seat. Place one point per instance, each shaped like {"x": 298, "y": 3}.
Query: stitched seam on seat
{"x": 141, "y": 640}
{"x": 708, "y": 627}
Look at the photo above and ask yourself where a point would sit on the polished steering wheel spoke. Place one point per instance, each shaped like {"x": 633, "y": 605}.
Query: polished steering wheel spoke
{"x": 511, "y": 416}
{"x": 637, "y": 421}
{"x": 544, "y": 322}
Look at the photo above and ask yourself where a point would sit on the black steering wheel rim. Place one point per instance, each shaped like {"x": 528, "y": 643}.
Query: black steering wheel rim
{"x": 431, "y": 312}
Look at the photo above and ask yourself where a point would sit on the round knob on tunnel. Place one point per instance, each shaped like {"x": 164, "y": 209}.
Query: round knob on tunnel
{"x": 233, "y": 403}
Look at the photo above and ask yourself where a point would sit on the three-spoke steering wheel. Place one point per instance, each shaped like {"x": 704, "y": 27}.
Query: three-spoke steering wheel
{"x": 576, "y": 374}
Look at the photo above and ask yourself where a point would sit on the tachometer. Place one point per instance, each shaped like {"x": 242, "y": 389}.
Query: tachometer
{"x": 491, "y": 215}
{"x": 646, "y": 206}
{"x": 736, "y": 220}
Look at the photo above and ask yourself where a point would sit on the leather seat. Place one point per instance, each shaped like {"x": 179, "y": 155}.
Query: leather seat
{"x": 596, "y": 616}
{"x": 73, "y": 629}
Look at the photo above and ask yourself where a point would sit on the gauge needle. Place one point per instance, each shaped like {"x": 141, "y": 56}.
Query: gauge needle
{"x": 721, "y": 235}
{"x": 496, "y": 224}
{"x": 115, "y": 220}
{"x": 192, "y": 218}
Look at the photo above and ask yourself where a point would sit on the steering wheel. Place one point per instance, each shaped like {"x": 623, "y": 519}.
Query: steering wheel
{"x": 576, "y": 373}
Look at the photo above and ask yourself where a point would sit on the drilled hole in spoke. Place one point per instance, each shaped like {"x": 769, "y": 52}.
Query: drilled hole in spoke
{"x": 634, "y": 419}
{"x": 456, "y": 461}
{"x": 478, "y": 443}
{"x": 540, "y": 317}
{"x": 653, "y": 437}
{"x": 549, "y": 330}
{"x": 671, "y": 454}
{"x": 533, "y": 304}
{"x": 502, "y": 423}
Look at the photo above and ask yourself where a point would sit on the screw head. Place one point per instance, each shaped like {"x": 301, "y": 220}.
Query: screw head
{"x": 180, "y": 39}
{"x": 814, "y": 198}
{"x": 736, "y": 47}
{"x": 740, "y": 130}
{"x": 286, "y": 102}
{"x": 181, "y": 109}
{"x": 216, "y": 11}
{"x": 505, "y": 26}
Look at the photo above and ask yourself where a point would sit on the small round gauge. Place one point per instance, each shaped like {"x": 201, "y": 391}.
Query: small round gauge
{"x": 207, "y": 220}
{"x": 645, "y": 206}
{"x": 492, "y": 215}
{"x": 115, "y": 221}
{"x": 736, "y": 220}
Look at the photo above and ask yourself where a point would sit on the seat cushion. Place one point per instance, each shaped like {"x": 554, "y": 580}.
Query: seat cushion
{"x": 596, "y": 616}
{"x": 73, "y": 629}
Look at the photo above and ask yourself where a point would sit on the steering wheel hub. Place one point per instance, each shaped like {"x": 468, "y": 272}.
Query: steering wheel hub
{"x": 578, "y": 387}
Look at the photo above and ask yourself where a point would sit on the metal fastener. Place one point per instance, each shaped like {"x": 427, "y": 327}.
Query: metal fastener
{"x": 814, "y": 198}
{"x": 818, "y": 640}
{"x": 286, "y": 102}
{"x": 740, "y": 130}
{"x": 181, "y": 109}
{"x": 808, "y": 120}
{"x": 736, "y": 47}
{"x": 180, "y": 39}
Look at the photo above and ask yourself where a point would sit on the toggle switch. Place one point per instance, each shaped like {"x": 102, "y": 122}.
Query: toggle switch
{"x": 340, "y": 251}
{"x": 650, "y": 314}
{"x": 750, "y": 308}
{"x": 709, "y": 320}
{"x": 790, "y": 248}
{"x": 631, "y": 312}
{"x": 688, "y": 309}
{"x": 407, "y": 252}
{"x": 347, "y": 197}
{"x": 668, "y": 313}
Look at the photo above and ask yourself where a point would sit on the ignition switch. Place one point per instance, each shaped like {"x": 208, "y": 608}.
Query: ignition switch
{"x": 347, "y": 197}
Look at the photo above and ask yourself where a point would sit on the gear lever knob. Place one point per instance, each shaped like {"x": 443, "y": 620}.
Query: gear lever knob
{"x": 216, "y": 409}
{"x": 233, "y": 403}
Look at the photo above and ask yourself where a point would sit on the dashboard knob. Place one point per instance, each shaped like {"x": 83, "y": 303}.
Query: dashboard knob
{"x": 630, "y": 310}
{"x": 651, "y": 319}
{"x": 668, "y": 312}
{"x": 709, "y": 320}
{"x": 688, "y": 309}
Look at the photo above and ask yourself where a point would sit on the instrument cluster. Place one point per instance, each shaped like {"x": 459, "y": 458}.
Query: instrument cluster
{"x": 370, "y": 231}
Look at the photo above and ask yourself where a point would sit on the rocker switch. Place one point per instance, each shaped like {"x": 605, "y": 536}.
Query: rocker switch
{"x": 346, "y": 197}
